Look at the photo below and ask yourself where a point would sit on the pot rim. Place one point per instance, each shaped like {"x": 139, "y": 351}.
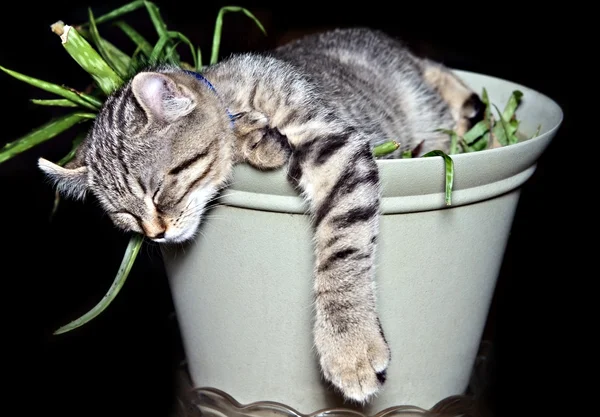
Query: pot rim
{"x": 478, "y": 175}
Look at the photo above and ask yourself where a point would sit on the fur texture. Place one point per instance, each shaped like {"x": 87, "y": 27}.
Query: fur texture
{"x": 163, "y": 145}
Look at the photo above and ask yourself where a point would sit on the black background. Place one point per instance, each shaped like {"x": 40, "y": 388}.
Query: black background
{"x": 123, "y": 362}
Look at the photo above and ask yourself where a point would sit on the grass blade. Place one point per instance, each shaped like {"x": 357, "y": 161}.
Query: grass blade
{"x": 219, "y": 29}
{"x": 71, "y": 153}
{"x": 480, "y": 144}
{"x": 137, "y": 60}
{"x": 102, "y": 50}
{"x": 181, "y": 37}
{"x": 170, "y": 55}
{"x": 385, "y": 148}
{"x": 510, "y": 123}
{"x": 121, "y": 57}
{"x": 158, "y": 49}
{"x": 505, "y": 130}
{"x": 143, "y": 44}
{"x": 128, "y": 8}
{"x": 76, "y": 97}
{"x": 449, "y": 167}
{"x": 454, "y": 139}
{"x": 133, "y": 248}
{"x": 487, "y": 115}
{"x": 42, "y": 134}
{"x": 157, "y": 21}
{"x": 122, "y": 60}
{"x": 57, "y": 103}
{"x": 87, "y": 57}
{"x": 511, "y": 107}
{"x": 476, "y": 132}
{"x": 514, "y": 128}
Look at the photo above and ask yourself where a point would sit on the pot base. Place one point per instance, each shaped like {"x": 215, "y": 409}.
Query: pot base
{"x": 212, "y": 402}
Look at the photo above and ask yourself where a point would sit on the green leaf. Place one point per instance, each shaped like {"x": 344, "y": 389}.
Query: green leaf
{"x": 454, "y": 139}
{"x": 57, "y": 103}
{"x": 128, "y": 8}
{"x": 76, "y": 142}
{"x": 500, "y": 133}
{"x": 112, "y": 55}
{"x": 143, "y": 44}
{"x": 157, "y": 21}
{"x": 449, "y": 167}
{"x": 199, "y": 67}
{"x": 115, "y": 52}
{"x": 137, "y": 60}
{"x": 407, "y": 154}
{"x": 163, "y": 47}
{"x": 486, "y": 100}
{"x": 118, "y": 56}
{"x": 480, "y": 144}
{"x": 170, "y": 55}
{"x": 219, "y": 28}
{"x": 184, "y": 39}
{"x": 512, "y": 104}
{"x": 476, "y": 131}
{"x": 158, "y": 48}
{"x": 87, "y": 57}
{"x": 513, "y": 126}
{"x": 42, "y": 134}
{"x": 75, "y": 96}
{"x": 131, "y": 253}
{"x": 385, "y": 148}
{"x": 506, "y": 130}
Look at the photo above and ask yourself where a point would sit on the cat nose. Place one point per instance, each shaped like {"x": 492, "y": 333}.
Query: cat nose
{"x": 153, "y": 230}
{"x": 159, "y": 235}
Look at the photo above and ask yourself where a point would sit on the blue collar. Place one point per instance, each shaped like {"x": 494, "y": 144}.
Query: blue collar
{"x": 203, "y": 80}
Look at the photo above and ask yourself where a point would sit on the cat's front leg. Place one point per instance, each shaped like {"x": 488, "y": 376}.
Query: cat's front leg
{"x": 339, "y": 177}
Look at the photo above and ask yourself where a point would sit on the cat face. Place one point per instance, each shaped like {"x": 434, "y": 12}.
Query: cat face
{"x": 159, "y": 150}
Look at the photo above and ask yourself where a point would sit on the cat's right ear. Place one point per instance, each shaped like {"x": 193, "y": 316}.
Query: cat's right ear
{"x": 70, "y": 182}
{"x": 160, "y": 97}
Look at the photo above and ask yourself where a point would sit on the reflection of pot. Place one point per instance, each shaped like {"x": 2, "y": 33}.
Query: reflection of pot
{"x": 243, "y": 290}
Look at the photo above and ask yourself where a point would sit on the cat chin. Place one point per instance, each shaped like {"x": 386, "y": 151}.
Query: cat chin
{"x": 180, "y": 236}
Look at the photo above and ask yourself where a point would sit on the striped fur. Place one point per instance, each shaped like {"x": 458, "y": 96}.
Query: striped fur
{"x": 163, "y": 146}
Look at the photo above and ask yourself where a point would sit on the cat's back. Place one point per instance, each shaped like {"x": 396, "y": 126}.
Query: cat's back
{"x": 375, "y": 79}
{"x": 356, "y": 50}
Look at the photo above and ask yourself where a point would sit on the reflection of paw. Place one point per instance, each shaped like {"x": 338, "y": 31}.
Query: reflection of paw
{"x": 355, "y": 363}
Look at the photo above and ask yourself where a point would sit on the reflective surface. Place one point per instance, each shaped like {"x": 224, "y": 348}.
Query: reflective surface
{"x": 211, "y": 402}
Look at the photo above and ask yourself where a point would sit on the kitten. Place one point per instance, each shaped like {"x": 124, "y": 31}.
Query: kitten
{"x": 165, "y": 143}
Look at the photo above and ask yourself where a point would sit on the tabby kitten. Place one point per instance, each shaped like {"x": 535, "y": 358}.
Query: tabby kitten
{"x": 165, "y": 143}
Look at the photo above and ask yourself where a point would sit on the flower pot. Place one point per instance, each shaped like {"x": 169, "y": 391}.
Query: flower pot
{"x": 243, "y": 289}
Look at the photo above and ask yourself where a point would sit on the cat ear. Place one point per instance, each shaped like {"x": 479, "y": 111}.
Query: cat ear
{"x": 161, "y": 97}
{"x": 71, "y": 182}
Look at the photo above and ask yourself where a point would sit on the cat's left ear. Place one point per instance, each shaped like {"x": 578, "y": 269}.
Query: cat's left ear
{"x": 71, "y": 182}
{"x": 161, "y": 97}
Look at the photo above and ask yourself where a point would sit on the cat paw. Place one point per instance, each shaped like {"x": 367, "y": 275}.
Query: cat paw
{"x": 355, "y": 364}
